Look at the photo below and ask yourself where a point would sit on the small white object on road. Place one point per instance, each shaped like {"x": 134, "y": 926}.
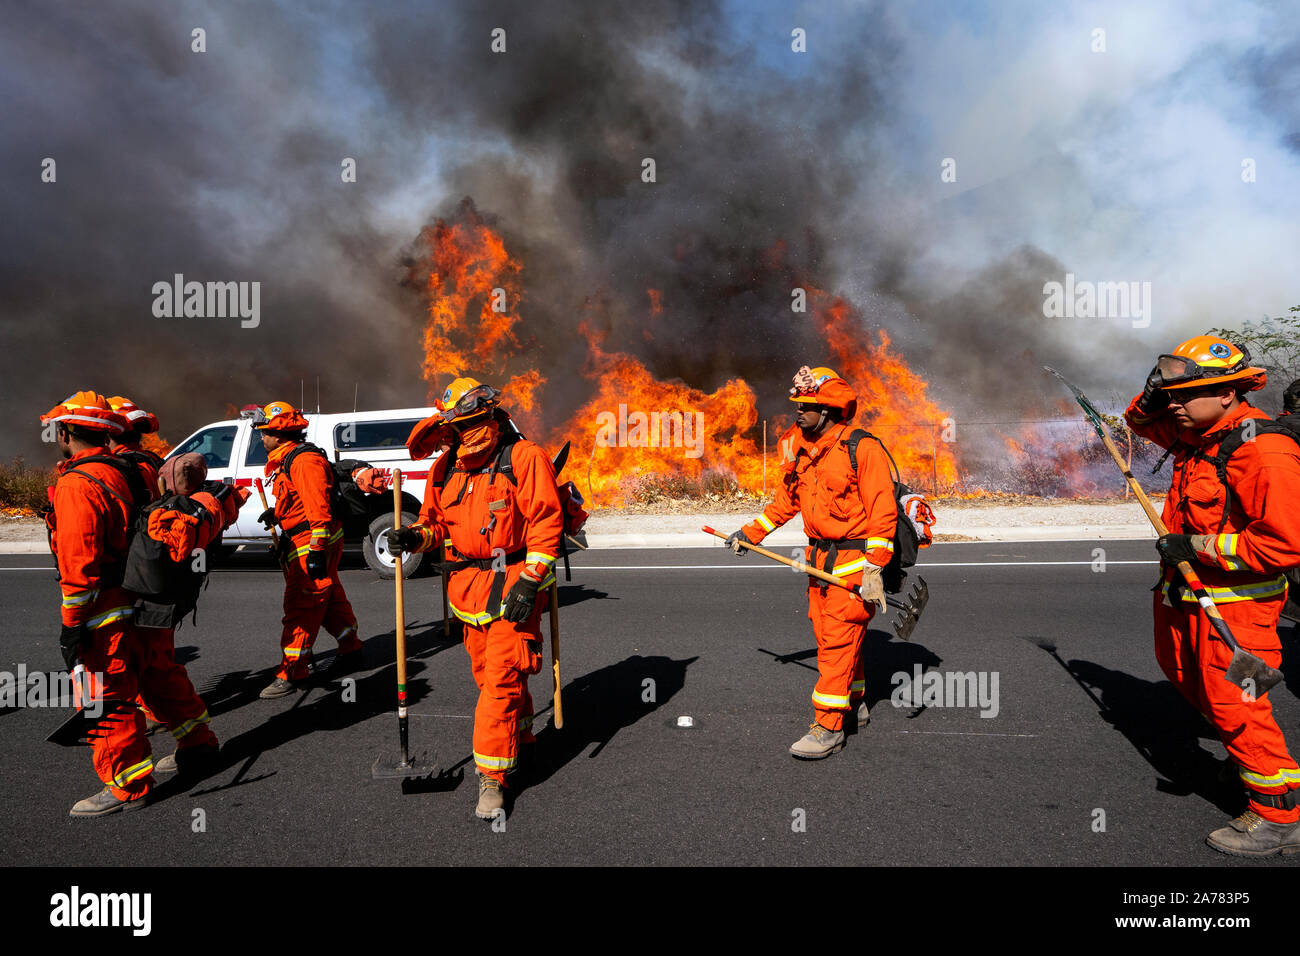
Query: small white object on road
{"x": 685, "y": 721}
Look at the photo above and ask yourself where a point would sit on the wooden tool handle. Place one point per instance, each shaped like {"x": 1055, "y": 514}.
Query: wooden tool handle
{"x": 558, "y": 702}
{"x": 275, "y": 538}
{"x": 797, "y": 565}
{"x": 400, "y": 628}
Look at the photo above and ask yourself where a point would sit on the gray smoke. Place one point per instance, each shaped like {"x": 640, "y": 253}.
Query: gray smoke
{"x": 774, "y": 169}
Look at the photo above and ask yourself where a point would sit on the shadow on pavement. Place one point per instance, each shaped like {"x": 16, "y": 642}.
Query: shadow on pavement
{"x": 1160, "y": 725}
{"x": 596, "y": 707}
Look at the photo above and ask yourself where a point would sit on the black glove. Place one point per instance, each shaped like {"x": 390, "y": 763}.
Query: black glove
{"x": 1176, "y": 547}
{"x": 404, "y": 539}
{"x": 738, "y": 536}
{"x": 317, "y": 565}
{"x": 267, "y": 518}
{"x": 520, "y": 600}
{"x": 70, "y": 641}
{"x": 1154, "y": 399}
{"x": 1291, "y": 398}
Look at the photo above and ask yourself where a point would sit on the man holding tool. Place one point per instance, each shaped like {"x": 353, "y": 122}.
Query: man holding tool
{"x": 846, "y": 496}
{"x": 492, "y": 493}
{"x": 1230, "y": 515}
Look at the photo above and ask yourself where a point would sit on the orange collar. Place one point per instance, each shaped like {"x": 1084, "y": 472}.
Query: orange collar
{"x": 273, "y": 458}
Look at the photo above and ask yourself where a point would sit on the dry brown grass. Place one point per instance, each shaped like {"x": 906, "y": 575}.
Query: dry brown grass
{"x": 22, "y": 488}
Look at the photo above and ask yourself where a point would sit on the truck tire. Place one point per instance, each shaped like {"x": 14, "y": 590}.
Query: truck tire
{"x": 375, "y": 548}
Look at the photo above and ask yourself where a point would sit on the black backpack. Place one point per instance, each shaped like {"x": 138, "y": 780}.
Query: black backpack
{"x": 907, "y": 546}
{"x": 346, "y": 499}
{"x": 1288, "y": 425}
{"x": 167, "y": 590}
{"x": 111, "y": 572}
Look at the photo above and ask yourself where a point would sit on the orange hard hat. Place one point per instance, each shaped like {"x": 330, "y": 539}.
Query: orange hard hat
{"x": 1209, "y": 361}
{"x": 467, "y": 398}
{"x": 280, "y": 417}
{"x": 87, "y": 410}
{"x": 137, "y": 419}
{"x": 823, "y": 386}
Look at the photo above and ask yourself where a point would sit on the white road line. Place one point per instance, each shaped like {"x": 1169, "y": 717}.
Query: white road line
{"x": 960, "y": 733}
{"x": 774, "y": 567}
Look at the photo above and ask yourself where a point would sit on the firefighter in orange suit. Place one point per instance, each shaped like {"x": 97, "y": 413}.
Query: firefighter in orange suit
{"x": 164, "y": 683}
{"x": 311, "y": 542}
{"x": 127, "y": 445}
{"x": 91, "y": 507}
{"x": 1239, "y": 531}
{"x": 492, "y": 494}
{"x": 850, "y": 518}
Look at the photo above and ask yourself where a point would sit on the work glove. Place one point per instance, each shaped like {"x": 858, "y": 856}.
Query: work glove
{"x": 1182, "y": 547}
{"x": 267, "y": 518}
{"x": 70, "y": 641}
{"x": 317, "y": 565}
{"x": 404, "y": 539}
{"x": 372, "y": 481}
{"x": 520, "y": 599}
{"x": 733, "y": 542}
{"x": 1291, "y": 398}
{"x": 873, "y": 588}
{"x": 1154, "y": 400}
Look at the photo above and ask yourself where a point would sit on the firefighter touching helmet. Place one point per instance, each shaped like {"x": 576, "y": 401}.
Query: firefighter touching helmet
{"x": 311, "y": 545}
{"x": 850, "y": 516}
{"x": 492, "y": 495}
{"x": 1229, "y": 512}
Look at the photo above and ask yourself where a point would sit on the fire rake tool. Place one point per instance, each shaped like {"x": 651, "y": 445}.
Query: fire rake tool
{"x": 1247, "y": 671}
{"x": 82, "y": 729}
{"x": 909, "y": 611}
{"x": 406, "y": 766}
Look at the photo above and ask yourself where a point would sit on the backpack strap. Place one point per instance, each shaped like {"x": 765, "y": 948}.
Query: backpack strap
{"x": 851, "y": 443}
{"x": 1228, "y": 447}
{"x": 130, "y": 474}
{"x": 500, "y": 465}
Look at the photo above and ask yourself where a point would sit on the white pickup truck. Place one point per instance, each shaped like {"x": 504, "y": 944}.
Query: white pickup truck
{"x": 234, "y": 453}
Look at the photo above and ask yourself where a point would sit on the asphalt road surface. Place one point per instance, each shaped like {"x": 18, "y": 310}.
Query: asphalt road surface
{"x": 1087, "y": 755}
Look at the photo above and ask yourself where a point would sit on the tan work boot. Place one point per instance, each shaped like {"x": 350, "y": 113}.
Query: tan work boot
{"x": 1252, "y": 835}
{"x": 491, "y": 798}
{"x": 818, "y": 743}
{"x": 104, "y": 802}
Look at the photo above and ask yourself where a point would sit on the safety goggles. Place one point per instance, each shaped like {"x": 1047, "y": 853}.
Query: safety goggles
{"x": 1176, "y": 369}
{"x": 472, "y": 402}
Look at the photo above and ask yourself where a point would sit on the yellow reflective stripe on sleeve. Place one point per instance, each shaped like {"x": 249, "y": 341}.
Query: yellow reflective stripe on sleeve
{"x": 344, "y": 633}
{"x": 134, "y": 772}
{"x": 1274, "y": 587}
{"x": 853, "y": 566}
{"x": 77, "y": 600}
{"x": 188, "y": 727}
{"x": 537, "y": 557}
{"x": 108, "y": 617}
{"x": 1280, "y": 779}
{"x": 885, "y": 543}
{"x": 857, "y": 685}
{"x": 766, "y": 523}
{"x": 526, "y": 723}
{"x": 480, "y": 618}
{"x": 319, "y": 532}
{"x": 494, "y": 763}
{"x": 1226, "y": 544}
{"x": 832, "y": 701}
{"x": 293, "y": 653}
{"x": 336, "y": 536}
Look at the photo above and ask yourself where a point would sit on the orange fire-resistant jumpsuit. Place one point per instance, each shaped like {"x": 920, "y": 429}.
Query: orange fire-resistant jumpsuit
{"x": 88, "y": 536}
{"x": 1241, "y": 569}
{"x": 302, "y": 509}
{"x": 850, "y": 520}
{"x": 165, "y": 686}
{"x": 168, "y": 680}
{"x": 483, "y": 514}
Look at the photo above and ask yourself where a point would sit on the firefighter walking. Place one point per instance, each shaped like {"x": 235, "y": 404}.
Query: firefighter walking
{"x": 493, "y": 495}
{"x": 91, "y": 509}
{"x": 311, "y": 543}
{"x": 850, "y": 516}
{"x": 1230, "y": 510}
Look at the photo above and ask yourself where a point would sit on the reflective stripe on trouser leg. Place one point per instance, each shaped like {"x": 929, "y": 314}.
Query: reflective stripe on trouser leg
{"x": 306, "y": 603}
{"x": 839, "y": 621}
{"x": 123, "y": 753}
{"x": 1246, "y": 728}
{"x": 498, "y": 663}
{"x": 166, "y": 687}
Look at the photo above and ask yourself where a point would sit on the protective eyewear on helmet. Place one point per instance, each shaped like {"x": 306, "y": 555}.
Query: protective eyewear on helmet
{"x": 1175, "y": 369}
{"x": 472, "y": 402}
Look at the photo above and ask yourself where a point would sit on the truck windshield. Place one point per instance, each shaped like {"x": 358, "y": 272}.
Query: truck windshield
{"x": 214, "y": 444}
{"x": 357, "y": 436}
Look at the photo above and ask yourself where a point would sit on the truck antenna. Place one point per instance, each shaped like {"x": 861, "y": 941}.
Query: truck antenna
{"x": 317, "y": 394}
{"x": 355, "y": 387}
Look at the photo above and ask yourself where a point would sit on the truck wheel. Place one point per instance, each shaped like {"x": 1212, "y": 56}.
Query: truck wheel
{"x": 375, "y": 548}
